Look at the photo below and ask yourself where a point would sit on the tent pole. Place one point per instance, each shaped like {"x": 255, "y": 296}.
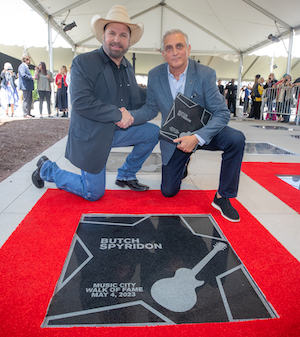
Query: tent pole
{"x": 161, "y": 24}
{"x": 239, "y": 84}
{"x": 289, "y": 60}
{"x": 51, "y": 62}
{"x": 133, "y": 61}
{"x": 74, "y": 51}
{"x": 272, "y": 63}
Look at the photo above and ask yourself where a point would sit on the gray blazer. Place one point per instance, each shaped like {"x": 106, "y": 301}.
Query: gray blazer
{"x": 25, "y": 78}
{"x": 200, "y": 86}
{"x": 94, "y": 110}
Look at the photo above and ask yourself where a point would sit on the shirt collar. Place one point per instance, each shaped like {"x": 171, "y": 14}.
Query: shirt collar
{"x": 182, "y": 74}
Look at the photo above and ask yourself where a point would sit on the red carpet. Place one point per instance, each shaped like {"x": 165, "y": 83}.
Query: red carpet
{"x": 266, "y": 175}
{"x": 32, "y": 259}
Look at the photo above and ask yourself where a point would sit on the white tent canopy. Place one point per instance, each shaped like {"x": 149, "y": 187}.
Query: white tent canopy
{"x": 214, "y": 26}
{"x": 220, "y": 32}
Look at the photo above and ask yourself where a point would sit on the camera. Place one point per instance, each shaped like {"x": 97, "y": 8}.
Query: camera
{"x": 269, "y": 78}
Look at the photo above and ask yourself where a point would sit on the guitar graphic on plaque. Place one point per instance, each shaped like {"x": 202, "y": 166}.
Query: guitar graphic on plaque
{"x": 178, "y": 293}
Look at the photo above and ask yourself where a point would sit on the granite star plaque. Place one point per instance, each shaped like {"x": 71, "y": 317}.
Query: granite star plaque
{"x": 152, "y": 270}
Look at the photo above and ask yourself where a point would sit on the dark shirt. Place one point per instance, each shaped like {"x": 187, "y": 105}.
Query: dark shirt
{"x": 221, "y": 89}
{"x": 123, "y": 86}
{"x": 231, "y": 90}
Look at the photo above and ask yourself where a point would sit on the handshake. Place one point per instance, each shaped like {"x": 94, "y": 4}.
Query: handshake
{"x": 126, "y": 120}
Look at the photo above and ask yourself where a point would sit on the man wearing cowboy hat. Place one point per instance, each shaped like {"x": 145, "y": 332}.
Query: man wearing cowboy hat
{"x": 102, "y": 82}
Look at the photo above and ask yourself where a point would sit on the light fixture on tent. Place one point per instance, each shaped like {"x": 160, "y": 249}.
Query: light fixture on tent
{"x": 274, "y": 66}
{"x": 69, "y": 26}
{"x": 274, "y": 38}
{"x": 65, "y": 27}
{"x": 277, "y": 38}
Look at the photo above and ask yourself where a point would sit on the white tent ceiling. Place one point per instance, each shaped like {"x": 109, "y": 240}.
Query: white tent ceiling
{"x": 217, "y": 29}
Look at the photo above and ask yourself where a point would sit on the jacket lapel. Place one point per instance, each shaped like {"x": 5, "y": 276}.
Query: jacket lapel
{"x": 190, "y": 80}
{"x": 165, "y": 86}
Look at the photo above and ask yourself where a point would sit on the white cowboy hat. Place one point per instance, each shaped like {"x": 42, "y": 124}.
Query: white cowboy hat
{"x": 117, "y": 14}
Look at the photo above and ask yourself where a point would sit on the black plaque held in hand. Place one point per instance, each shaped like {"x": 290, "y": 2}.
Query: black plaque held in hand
{"x": 184, "y": 118}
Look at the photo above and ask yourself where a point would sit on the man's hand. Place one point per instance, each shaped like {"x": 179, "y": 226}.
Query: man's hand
{"x": 186, "y": 143}
{"x": 126, "y": 120}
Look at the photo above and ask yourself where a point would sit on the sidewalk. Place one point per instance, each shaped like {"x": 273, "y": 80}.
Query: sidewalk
{"x": 18, "y": 195}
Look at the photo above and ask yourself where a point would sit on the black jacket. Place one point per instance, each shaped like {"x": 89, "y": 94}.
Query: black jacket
{"x": 95, "y": 110}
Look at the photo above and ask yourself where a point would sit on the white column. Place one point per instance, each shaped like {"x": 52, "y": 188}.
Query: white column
{"x": 239, "y": 86}
{"x": 272, "y": 63}
{"x": 74, "y": 50}
{"x": 51, "y": 64}
{"x": 289, "y": 61}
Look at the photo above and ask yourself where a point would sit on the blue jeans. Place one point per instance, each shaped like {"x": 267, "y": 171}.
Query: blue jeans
{"x": 228, "y": 140}
{"x": 90, "y": 186}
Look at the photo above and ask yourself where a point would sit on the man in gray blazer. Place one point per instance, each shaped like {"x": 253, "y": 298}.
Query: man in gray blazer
{"x": 102, "y": 82}
{"x": 198, "y": 82}
{"x": 26, "y": 85}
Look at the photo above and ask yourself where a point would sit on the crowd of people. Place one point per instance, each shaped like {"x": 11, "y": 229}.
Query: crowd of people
{"x": 275, "y": 97}
{"x": 17, "y": 89}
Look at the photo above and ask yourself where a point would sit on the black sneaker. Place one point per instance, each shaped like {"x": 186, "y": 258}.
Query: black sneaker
{"x": 226, "y": 209}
